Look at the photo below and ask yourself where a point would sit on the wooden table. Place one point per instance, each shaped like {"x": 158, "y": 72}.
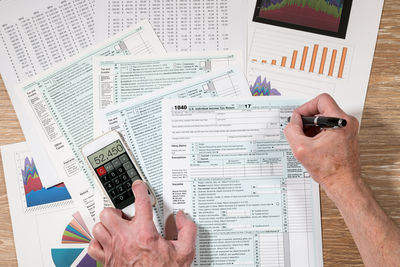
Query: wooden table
{"x": 379, "y": 144}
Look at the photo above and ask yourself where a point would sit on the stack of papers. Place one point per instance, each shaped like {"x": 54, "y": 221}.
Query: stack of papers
{"x": 178, "y": 80}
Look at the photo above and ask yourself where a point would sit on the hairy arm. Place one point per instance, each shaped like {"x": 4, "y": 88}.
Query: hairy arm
{"x": 332, "y": 159}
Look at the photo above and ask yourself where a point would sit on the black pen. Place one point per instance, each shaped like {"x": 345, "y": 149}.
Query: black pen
{"x": 323, "y": 122}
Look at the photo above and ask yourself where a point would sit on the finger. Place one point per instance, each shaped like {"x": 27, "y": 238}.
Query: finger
{"x": 294, "y": 131}
{"x": 143, "y": 209}
{"x": 112, "y": 219}
{"x": 323, "y": 104}
{"x": 101, "y": 234}
{"x": 96, "y": 251}
{"x": 186, "y": 234}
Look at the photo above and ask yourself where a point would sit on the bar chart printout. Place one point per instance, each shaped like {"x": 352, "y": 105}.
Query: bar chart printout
{"x": 238, "y": 181}
{"x": 321, "y": 60}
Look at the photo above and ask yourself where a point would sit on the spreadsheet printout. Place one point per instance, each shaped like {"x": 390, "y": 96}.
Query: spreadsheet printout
{"x": 228, "y": 165}
{"x": 139, "y": 120}
{"x": 121, "y": 78}
{"x": 199, "y": 25}
{"x": 59, "y": 104}
{"x": 35, "y": 35}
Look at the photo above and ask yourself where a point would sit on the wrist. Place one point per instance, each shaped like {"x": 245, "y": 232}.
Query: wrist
{"x": 347, "y": 190}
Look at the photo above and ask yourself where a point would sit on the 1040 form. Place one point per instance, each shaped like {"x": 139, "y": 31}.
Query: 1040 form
{"x": 228, "y": 165}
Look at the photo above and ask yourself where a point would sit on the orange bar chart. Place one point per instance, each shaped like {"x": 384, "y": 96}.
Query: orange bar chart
{"x": 294, "y": 58}
{"x": 304, "y": 57}
{"x": 273, "y": 62}
{"x": 342, "y": 61}
{"x": 323, "y": 59}
{"x": 333, "y": 60}
{"x": 283, "y": 63}
{"x": 314, "y": 58}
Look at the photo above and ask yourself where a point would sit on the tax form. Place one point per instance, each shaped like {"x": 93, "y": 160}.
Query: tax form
{"x": 227, "y": 164}
{"x": 59, "y": 104}
{"x": 35, "y": 35}
{"x": 121, "y": 78}
{"x": 139, "y": 120}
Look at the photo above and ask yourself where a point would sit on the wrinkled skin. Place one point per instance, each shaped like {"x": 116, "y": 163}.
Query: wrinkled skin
{"x": 121, "y": 242}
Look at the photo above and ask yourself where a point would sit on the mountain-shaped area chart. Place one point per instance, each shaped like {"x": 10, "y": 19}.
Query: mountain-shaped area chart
{"x": 262, "y": 87}
{"x": 318, "y": 14}
{"x": 35, "y": 193}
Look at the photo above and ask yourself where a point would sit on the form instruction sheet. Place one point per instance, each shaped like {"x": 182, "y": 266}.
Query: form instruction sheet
{"x": 59, "y": 104}
{"x": 121, "y": 78}
{"x": 201, "y": 25}
{"x": 227, "y": 164}
{"x": 139, "y": 120}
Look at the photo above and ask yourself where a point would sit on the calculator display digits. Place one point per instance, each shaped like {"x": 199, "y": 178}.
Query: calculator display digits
{"x": 116, "y": 172}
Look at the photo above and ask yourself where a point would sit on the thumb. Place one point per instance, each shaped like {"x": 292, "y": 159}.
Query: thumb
{"x": 186, "y": 234}
{"x": 294, "y": 130}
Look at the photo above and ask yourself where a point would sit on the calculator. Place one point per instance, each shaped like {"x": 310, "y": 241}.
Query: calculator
{"x": 115, "y": 170}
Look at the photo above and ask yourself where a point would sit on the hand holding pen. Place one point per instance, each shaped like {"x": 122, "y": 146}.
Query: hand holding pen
{"x": 323, "y": 122}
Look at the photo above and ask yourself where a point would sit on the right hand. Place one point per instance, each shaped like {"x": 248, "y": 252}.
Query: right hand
{"x": 331, "y": 156}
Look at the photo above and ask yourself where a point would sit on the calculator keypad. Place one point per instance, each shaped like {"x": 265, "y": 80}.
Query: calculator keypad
{"x": 117, "y": 177}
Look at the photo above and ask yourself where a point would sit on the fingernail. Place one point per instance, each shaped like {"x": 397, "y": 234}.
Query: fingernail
{"x": 137, "y": 182}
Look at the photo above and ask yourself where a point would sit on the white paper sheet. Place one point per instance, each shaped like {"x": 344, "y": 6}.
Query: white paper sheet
{"x": 39, "y": 216}
{"x": 204, "y": 25}
{"x": 227, "y": 164}
{"x": 121, "y": 78}
{"x": 35, "y": 35}
{"x": 139, "y": 120}
{"x": 347, "y": 61}
{"x": 59, "y": 104}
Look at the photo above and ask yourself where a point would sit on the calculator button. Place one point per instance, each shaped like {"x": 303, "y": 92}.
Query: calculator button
{"x": 121, "y": 198}
{"x": 124, "y": 158}
{"x": 105, "y": 178}
{"x": 117, "y": 181}
{"x": 120, "y": 170}
{"x": 109, "y": 186}
{"x": 101, "y": 171}
{"x": 109, "y": 167}
{"x": 128, "y": 166}
{"x": 132, "y": 173}
{"x": 128, "y": 185}
{"x": 113, "y": 175}
{"x": 112, "y": 193}
{"x": 124, "y": 177}
{"x": 120, "y": 189}
{"x": 116, "y": 163}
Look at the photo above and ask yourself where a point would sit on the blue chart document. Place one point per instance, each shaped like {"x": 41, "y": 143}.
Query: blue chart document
{"x": 227, "y": 163}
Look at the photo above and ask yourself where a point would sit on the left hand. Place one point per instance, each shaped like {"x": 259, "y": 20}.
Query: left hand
{"x": 136, "y": 242}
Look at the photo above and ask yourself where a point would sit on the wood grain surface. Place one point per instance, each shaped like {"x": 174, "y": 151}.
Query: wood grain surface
{"x": 379, "y": 145}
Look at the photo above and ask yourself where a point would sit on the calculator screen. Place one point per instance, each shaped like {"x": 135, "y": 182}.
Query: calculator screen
{"x": 106, "y": 154}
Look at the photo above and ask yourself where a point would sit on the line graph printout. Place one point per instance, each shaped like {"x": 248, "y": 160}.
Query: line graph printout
{"x": 226, "y": 163}
{"x": 205, "y": 25}
{"x": 35, "y": 35}
{"x": 139, "y": 120}
{"x": 122, "y": 78}
{"x": 59, "y": 104}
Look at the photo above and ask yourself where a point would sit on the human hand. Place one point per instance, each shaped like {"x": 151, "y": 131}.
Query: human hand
{"x": 136, "y": 242}
{"x": 331, "y": 156}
